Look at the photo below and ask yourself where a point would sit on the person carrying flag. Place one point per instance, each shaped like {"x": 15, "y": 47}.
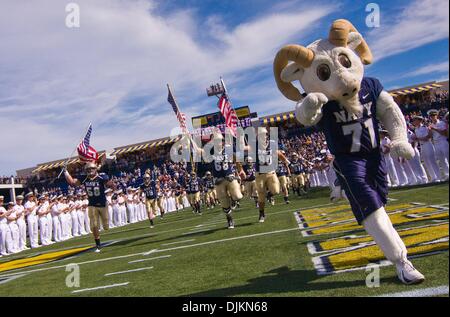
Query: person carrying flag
{"x": 95, "y": 186}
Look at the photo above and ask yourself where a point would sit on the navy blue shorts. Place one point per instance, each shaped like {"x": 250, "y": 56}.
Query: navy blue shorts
{"x": 364, "y": 182}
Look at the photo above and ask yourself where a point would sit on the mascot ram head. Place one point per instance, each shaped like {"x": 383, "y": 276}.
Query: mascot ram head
{"x": 333, "y": 66}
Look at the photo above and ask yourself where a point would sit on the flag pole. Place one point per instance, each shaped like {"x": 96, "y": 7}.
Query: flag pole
{"x": 222, "y": 82}
{"x": 184, "y": 131}
{"x": 71, "y": 154}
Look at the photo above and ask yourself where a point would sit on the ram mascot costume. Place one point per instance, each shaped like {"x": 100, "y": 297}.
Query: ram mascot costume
{"x": 349, "y": 108}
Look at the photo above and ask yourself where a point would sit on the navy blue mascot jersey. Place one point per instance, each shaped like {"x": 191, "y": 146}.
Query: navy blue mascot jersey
{"x": 347, "y": 134}
{"x": 149, "y": 190}
{"x": 95, "y": 189}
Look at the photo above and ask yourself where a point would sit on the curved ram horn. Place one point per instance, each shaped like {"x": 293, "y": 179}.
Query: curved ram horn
{"x": 291, "y": 53}
{"x": 339, "y": 37}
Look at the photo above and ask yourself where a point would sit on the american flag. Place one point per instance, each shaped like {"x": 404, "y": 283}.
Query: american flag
{"x": 87, "y": 153}
{"x": 180, "y": 116}
{"x": 228, "y": 113}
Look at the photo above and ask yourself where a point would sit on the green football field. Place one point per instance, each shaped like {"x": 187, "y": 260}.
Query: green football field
{"x": 307, "y": 248}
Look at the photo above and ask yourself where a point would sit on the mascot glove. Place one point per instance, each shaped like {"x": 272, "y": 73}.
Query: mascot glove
{"x": 314, "y": 101}
{"x": 310, "y": 107}
{"x": 402, "y": 149}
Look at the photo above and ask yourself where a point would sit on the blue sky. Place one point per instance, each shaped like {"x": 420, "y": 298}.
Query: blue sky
{"x": 113, "y": 70}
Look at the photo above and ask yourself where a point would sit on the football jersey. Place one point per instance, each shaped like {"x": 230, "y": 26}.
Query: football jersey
{"x": 346, "y": 133}
{"x": 266, "y": 157}
{"x": 296, "y": 167}
{"x": 194, "y": 185}
{"x": 250, "y": 172}
{"x": 95, "y": 188}
{"x": 221, "y": 166}
{"x": 149, "y": 190}
{"x": 281, "y": 169}
{"x": 209, "y": 182}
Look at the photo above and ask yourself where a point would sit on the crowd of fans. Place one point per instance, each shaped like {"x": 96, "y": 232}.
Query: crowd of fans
{"x": 8, "y": 180}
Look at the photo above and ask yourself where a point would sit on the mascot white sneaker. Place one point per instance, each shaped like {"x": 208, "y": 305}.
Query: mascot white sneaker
{"x": 349, "y": 108}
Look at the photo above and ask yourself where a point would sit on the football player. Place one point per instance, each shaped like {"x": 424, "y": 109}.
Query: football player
{"x": 193, "y": 183}
{"x": 250, "y": 179}
{"x": 283, "y": 173}
{"x": 297, "y": 175}
{"x": 149, "y": 189}
{"x": 267, "y": 183}
{"x": 95, "y": 186}
{"x": 210, "y": 191}
{"x": 223, "y": 170}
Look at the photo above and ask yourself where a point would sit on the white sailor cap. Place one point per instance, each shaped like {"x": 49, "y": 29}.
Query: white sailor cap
{"x": 432, "y": 112}
{"x": 417, "y": 118}
{"x": 20, "y": 197}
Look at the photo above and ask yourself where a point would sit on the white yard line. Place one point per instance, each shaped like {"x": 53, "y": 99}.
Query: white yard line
{"x": 130, "y": 271}
{"x": 299, "y": 221}
{"x": 194, "y": 232}
{"x": 19, "y": 256}
{"x": 408, "y": 190}
{"x": 99, "y": 287}
{"x": 203, "y": 226}
{"x": 150, "y": 259}
{"x": 423, "y": 292}
{"x": 177, "y": 242}
{"x": 156, "y": 251}
{"x": 229, "y": 239}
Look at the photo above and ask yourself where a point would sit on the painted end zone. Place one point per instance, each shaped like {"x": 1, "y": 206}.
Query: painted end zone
{"x": 426, "y": 233}
{"x": 41, "y": 259}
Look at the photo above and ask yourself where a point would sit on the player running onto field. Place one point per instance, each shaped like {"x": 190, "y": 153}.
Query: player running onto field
{"x": 95, "y": 185}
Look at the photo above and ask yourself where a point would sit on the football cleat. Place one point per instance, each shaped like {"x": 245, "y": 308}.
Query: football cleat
{"x": 408, "y": 274}
{"x": 97, "y": 250}
{"x": 262, "y": 217}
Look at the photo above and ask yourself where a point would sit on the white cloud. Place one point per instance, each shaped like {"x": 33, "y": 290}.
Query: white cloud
{"x": 438, "y": 68}
{"x": 54, "y": 80}
{"x": 420, "y": 23}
